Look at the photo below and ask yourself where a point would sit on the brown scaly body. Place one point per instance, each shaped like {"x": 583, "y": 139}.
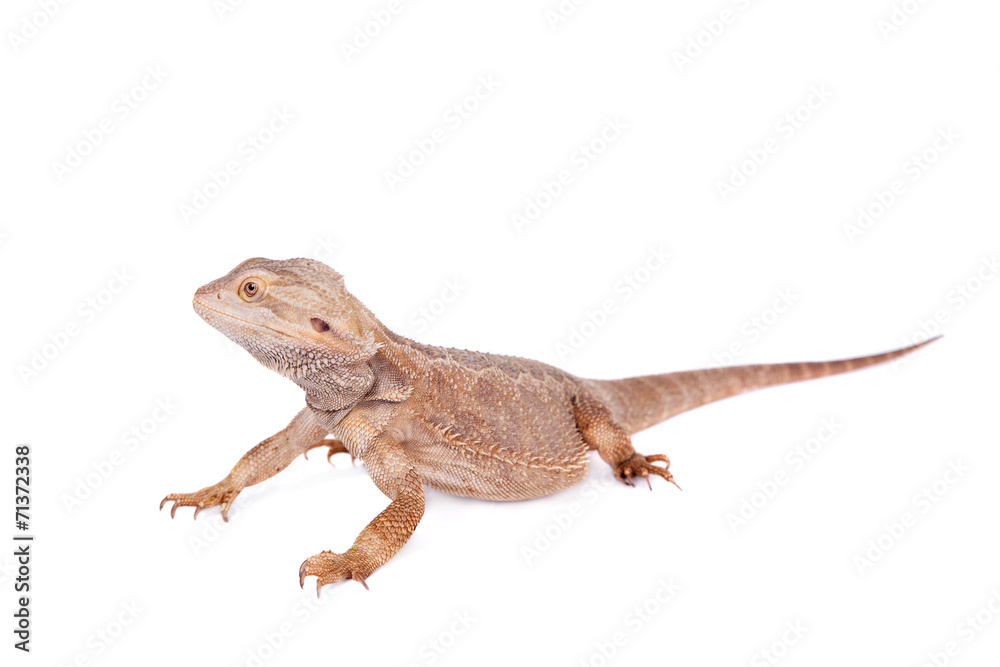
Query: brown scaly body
{"x": 466, "y": 423}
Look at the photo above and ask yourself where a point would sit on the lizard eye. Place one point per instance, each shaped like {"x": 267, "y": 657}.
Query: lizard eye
{"x": 251, "y": 290}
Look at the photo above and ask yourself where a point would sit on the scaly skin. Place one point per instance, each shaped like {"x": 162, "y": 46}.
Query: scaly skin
{"x": 466, "y": 423}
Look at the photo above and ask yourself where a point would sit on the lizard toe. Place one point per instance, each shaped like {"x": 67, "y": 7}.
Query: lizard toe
{"x": 329, "y": 568}
{"x": 638, "y": 465}
{"x": 208, "y": 497}
{"x": 335, "y": 447}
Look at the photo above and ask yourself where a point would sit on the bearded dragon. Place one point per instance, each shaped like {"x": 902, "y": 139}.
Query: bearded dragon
{"x": 465, "y": 423}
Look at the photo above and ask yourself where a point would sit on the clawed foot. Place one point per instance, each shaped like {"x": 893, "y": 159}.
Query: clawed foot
{"x": 329, "y": 568}
{"x": 222, "y": 494}
{"x": 638, "y": 465}
{"x": 336, "y": 447}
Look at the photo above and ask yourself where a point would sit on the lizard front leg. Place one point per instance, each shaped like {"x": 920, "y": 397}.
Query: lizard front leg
{"x": 393, "y": 473}
{"x": 262, "y": 462}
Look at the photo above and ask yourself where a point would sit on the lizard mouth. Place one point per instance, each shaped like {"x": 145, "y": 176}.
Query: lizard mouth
{"x": 284, "y": 362}
{"x": 200, "y": 306}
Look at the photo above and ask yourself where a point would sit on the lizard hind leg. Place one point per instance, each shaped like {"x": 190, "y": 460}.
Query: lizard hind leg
{"x": 614, "y": 444}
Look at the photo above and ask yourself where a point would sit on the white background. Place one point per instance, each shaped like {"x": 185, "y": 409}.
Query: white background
{"x": 209, "y": 594}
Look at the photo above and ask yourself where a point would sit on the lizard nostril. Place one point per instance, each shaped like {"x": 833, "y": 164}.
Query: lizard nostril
{"x": 219, "y": 295}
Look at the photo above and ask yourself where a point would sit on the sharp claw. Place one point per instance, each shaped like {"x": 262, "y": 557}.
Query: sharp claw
{"x": 321, "y": 443}
{"x": 361, "y": 580}
{"x": 196, "y": 511}
{"x": 643, "y": 466}
{"x": 330, "y": 452}
{"x": 302, "y": 575}
{"x": 319, "y": 587}
{"x": 163, "y": 502}
{"x": 173, "y": 510}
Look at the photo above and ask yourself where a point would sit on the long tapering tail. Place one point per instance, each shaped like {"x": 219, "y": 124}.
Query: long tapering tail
{"x": 640, "y": 402}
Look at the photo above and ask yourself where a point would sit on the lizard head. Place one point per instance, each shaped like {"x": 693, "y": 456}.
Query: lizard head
{"x": 295, "y": 317}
